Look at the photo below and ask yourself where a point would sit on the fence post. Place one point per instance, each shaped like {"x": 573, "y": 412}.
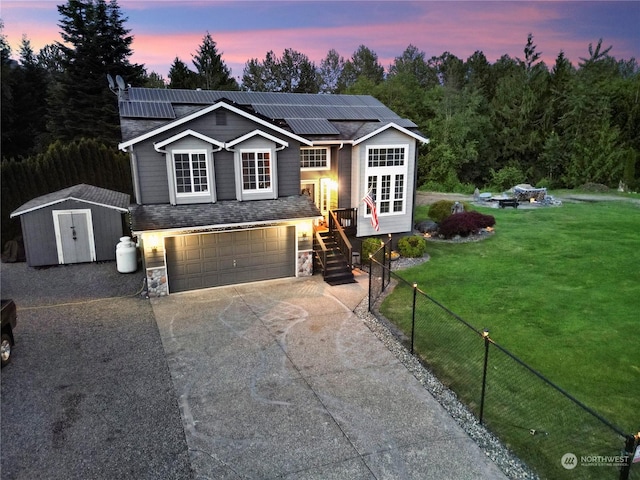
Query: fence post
{"x": 390, "y": 243}
{"x": 413, "y": 315}
{"x": 370, "y": 278}
{"x": 633, "y": 441}
{"x": 485, "y": 335}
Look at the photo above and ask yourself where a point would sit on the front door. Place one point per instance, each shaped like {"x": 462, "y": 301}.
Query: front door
{"x": 74, "y": 236}
{"x": 310, "y": 189}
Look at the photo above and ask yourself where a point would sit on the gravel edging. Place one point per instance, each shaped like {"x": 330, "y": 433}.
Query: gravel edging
{"x": 509, "y": 463}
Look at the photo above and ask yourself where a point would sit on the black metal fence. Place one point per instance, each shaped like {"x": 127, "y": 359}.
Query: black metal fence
{"x": 546, "y": 427}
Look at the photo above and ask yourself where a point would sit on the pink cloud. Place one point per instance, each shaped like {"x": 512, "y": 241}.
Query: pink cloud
{"x": 460, "y": 34}
{"x": 496, "y": 28}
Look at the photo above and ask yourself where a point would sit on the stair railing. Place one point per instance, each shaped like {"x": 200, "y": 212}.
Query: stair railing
{"x": 320, "y": 253}
{"x": 339, "y": 236}
{"x": 347, "y": 218}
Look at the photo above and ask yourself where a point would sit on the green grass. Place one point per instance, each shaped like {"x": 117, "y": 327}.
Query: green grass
{"x": 559, "y": 288}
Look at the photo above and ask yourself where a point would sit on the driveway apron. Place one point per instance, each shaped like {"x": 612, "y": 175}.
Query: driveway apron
{"x": 280, "y": 379}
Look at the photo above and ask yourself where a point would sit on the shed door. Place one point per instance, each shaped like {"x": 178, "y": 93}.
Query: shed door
{"x": 214, "y": 259}
{"x": 74, "y": 236}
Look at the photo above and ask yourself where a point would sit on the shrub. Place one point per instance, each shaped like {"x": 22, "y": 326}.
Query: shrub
{"x": 507, "y": 177}
{"x": 369, "y": 246}
{"x": 441, "y": 209}
{"x": 413, "y": 246}
{"x": 465, "y": 224}
{"x": 594, "y": 187}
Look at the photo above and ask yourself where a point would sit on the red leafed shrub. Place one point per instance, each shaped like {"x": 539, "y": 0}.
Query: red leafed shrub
{"x": 465, "y": 224}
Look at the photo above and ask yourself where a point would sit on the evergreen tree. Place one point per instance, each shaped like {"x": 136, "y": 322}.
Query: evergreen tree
{"x": 96, "y": 43}
{"x": 154, "y": 80}
{"x": 180, "y": 76}
{"x": 449, "y": 70}
{"x": 6, "y": 91}
{"x": 412, "y": 63}
{"x": 293, "y": 73}
{"x": 252, "y": 76}
{"x": 363, "y": 63}
{"x": 330, "y": 70}
{"x": 212, "y": 72}
{"x": 30, "y": 93}
{"x": 50, "y": 58}
{"x": 262, "y": 76}
{"x": 478, "y": 74}
{"x": 594, "y": 123}
{"x": 297, "y": 73}
{"x": 458, "y": 133}
{"x": 530, "y": 55}
{"x": 554, "y": 156}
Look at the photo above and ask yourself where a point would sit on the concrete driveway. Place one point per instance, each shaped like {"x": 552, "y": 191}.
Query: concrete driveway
{"x": 280, "y": 379}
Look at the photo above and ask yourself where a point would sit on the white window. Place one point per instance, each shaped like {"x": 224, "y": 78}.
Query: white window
{"x": 191, "y": 173}
{"x": 256, "y": 171}
{"x": 315, "y": 158}
{"x": 386, "y": 175}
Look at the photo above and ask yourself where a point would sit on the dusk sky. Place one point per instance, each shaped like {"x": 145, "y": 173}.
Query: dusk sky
{"x": 165, "y": 29}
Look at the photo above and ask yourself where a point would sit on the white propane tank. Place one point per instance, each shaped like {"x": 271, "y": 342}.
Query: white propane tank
{"x": 126, "y": 255}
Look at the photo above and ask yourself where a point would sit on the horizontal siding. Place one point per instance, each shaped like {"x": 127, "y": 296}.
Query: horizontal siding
{"x": 152, "y": 174}
{"x": 152, "y": 167}
{"x": 343, "y": 159}
{"x": 289, "y": 170}
{"x": 225, "y": 175}
{"x": 388, "y": 223}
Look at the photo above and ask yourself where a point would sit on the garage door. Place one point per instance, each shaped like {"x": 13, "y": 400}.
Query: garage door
{"x": 226, "y": 258}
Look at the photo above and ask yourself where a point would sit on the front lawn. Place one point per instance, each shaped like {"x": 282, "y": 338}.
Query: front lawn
{"x": 559, "y": 287}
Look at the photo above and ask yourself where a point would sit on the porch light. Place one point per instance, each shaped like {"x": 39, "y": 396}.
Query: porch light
{"x": 304, "y": 229}
{"x": 154, "y": 242}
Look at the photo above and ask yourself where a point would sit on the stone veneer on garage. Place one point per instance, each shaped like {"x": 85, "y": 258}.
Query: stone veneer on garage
{"x": 157, "y": 282}
{"x": 305, "y": 264}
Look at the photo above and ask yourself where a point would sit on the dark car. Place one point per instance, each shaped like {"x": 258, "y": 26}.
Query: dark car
{"x": 8, "y": 324}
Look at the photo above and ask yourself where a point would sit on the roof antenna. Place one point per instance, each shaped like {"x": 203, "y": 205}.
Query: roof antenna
{"x": 121, "y": 89}
{"x": 112, "y": 85}
{"x": 120, "y": 81}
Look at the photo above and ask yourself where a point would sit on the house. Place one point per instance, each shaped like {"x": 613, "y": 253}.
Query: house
{"x": 229, "y": 186}
{"x": 78, "y": 224}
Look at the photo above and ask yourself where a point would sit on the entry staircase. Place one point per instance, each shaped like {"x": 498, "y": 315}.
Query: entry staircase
{"x": 332, "y": 252}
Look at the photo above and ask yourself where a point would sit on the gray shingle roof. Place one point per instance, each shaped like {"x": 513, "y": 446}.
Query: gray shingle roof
{"x": 220, "y": 214}
{"x": 82, "y": 193}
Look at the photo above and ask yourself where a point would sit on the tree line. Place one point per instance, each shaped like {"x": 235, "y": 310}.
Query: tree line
{"x": 62, "y": 165}
{"x": 516, "y": 120}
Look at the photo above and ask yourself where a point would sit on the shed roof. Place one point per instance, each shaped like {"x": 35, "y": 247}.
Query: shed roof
{"x": 81, "y": 193}
{"x": 222, "y": 214}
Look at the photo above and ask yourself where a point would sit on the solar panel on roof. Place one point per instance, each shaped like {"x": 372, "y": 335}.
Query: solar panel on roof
{"x": 310, "y": 113}
{"x": 147, "y": 110}
{"x": 311, "y": 126}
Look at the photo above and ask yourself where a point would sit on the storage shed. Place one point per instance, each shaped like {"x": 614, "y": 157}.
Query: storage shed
{"x": 78, "y": 224}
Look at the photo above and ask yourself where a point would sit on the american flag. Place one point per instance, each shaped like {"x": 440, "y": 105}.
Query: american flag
{"x": 370, "y": 200}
